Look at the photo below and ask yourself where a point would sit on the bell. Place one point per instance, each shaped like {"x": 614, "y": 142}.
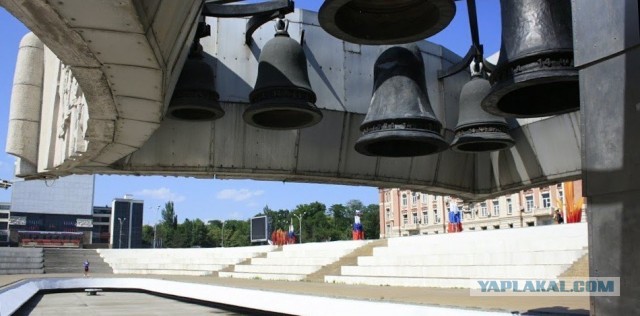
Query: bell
{"x": 535, "y": 75}
{"x": 477, "y": 130}
{"x": 384, "y": 22}
{"x": 195, "y": 98}
{"x": 282, "y": 97}
{"x": 400, "y": 121}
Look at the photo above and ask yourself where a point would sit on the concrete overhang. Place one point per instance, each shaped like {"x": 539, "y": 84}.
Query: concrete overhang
{"x": 121, "y": 60}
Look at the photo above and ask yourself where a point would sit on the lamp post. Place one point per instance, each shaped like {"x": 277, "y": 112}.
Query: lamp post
{"x": 300, "y": 223}
{"x": 155, "y": 229}
{"x": 121, "y": 221}
{"x": 222, "y": 235}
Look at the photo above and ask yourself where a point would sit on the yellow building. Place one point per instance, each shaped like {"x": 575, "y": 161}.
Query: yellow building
{"x": 405, "y": 212}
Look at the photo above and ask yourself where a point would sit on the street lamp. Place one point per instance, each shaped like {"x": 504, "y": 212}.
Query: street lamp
{"x": 121, "y": 221}
{"x": 300, "y": 223}
{"x": 222, "y": 235}
{"x": 155, "y": 228}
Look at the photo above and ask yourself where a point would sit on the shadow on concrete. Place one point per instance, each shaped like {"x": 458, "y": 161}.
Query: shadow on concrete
{"x": 556, "y": 310}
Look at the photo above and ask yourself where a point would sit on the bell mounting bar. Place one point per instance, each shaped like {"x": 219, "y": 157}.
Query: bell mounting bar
{"x": 476, "y": 51}
{"x": 260, "y": 13}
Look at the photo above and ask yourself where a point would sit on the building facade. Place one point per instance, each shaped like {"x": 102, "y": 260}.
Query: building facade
{"x": 405, "y": 212}
{"x": 60, "y": 213}
{"x": 126, "y": 223}
{"x": 5, "y": 212}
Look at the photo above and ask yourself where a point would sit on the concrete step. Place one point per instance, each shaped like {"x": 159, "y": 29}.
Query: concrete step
{"x": 293, "y": 261}
{"x": 262, "y": 276}
{"x": 20, "y": 252}
{"x": 310, "y": 253}
{"x": 164, "y": 272}
{"x": 348, "y": 259}
{"x": 401, "y": 281}
{"x": 21, "y": 271}
{"x": 75, "y": 270}
{"x": 20, "y": 265}
{"x": 579, "y": 268}
{"x": 290, "y": 269}
{"x": 478, "y": 272}
{"x": 478, "y": 259}
{"x": 183, "y": 260}
{"x": 21, "y": 259}
{"x": 169, "y": 266}
{"x": 71, "y": 261}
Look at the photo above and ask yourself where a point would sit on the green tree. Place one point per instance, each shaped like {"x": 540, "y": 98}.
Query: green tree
{"x": 341, "y": 222}
{"x": 214, "y": 232}
{"x": 147, "y": 236}
{"x": 236, "y": 233}
{"x": 169, "y": 216}
{"x": 199, "y": 236}
{"x": 315, "y": 223}
{"x": 371, "y": 221}
{"x": 277, "y": 219}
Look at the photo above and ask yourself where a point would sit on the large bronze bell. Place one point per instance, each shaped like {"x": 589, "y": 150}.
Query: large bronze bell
{"x": 282, "y": 97}
{"x": 400, "y": 121}
{"x": 195, "y": 98}
{"x": 535, "y": 75}
{"x": 383, "y": 22}
{"x": 477, "y": 130}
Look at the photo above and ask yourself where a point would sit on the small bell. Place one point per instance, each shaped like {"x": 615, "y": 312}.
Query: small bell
{"x": 195, "y": 97}
{"x": 282, "y": 97}
{"x": 477, "y": 130}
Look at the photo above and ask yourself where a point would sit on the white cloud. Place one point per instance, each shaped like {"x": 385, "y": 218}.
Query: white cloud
{"x": 161, "y": 194}
{"x": 238, "y": 195}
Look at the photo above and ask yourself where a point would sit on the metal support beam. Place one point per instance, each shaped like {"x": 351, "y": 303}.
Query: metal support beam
{"x": 214, "y": 9}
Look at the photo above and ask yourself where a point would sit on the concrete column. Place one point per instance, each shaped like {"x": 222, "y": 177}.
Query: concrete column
{"x": 607, "y": 47}
{"x": 26, "y": 102}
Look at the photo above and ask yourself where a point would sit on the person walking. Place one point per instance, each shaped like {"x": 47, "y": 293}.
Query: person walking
{"x": 557, "y": 217}
{"x": 86, "y": 267}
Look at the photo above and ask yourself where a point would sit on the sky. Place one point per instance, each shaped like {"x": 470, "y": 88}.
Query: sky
{"x": 210, "y": 199}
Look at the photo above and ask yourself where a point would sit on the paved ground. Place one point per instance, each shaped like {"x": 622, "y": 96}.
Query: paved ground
{"x": 426, "y": 296}
{"x": 112, "y": 303}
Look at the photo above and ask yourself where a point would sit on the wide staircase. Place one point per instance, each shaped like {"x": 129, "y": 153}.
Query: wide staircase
{"x": 455, "y": 260}
{"x": 21, "y": 261}
{"x": 294, "y": 262}
{"x": 188, "y": 261}
{"x": 71, "y": 261}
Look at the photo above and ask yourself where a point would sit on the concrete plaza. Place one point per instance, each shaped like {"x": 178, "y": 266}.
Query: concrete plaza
{"x": 453, "y": 298}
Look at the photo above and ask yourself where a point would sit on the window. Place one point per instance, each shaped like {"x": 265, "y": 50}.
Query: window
{"x": 496, "y": 226}
{"x": 424, "y": 198}
{"x": 436, "y": 216}
{"x": 560, "y": 194}
{"x": 425, "y": 217}
{"x": 483, "y": 209}
{"x": 387, "y": 196}
{"x": 510, "y": 225}
{"x": 404, "y": 199}
{"x": 496, "y": 208}
{"x": 405, "y": 219}
{"x": 509, "y": 206}
{"x": 529, "y": 199}
{"x": 415, "y": 218}
{"x": 483, "y": 227}
{"x": 414, "y": 198}
{"x": 388, "y": 214}
{"x": 531, "y": 224}
{"x": 546, "y": 200}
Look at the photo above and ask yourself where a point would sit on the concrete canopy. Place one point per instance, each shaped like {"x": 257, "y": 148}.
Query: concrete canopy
{"x": 110, "y": 68}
